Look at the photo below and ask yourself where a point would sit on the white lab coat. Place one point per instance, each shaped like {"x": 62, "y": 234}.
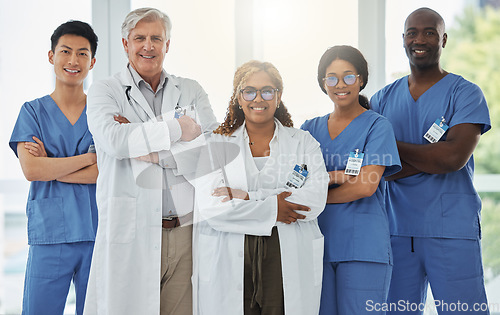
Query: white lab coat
{"x": 125, "y": 271}
{"x": 220, "y": 228}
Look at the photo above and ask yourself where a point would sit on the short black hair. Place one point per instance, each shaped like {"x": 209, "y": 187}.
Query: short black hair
{"x": 77, "y": 28}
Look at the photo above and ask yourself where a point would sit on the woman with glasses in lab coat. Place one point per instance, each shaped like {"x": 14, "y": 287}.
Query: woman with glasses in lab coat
{"x": 257, "y": 245}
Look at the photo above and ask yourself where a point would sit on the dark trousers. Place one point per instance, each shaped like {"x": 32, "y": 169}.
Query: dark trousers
{"x": 263, "y": 276}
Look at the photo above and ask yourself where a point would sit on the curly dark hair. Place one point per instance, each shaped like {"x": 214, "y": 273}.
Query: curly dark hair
{"x": 234, "y": 115}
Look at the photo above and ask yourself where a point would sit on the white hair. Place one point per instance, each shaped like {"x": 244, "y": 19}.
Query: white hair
{"x": 146, "y": 14}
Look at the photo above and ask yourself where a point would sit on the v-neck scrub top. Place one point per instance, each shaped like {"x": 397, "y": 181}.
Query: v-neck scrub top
{"x": 357, "y": 230}
{"x": 433, "y": 205}
{"x": 57, "y": 212}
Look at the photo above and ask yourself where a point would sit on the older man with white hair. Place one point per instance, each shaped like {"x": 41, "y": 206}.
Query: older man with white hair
{"x": 142, "y": 261}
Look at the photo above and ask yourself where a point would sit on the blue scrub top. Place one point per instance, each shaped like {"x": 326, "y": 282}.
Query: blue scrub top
{"x": 357, "y": 230}
{"x": 433, "y": 205}
{"x": 57, "y": 212}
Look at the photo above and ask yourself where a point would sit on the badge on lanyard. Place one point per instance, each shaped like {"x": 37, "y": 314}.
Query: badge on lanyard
{"x": 354, "y": 163}
{"x": 436, "y": 131}
{"x": 298, "y": 176}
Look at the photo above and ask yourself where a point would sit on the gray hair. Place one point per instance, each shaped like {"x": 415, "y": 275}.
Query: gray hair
{"x": 148, "y": 15}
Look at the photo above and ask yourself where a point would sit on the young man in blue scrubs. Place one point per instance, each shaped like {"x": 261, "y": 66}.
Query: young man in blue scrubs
{"x": 54, "y": 147}
{"x": 434, "y": 210}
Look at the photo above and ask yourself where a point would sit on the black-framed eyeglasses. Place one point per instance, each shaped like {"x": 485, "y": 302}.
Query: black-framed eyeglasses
{"x": 267, "y": 93}
{"x": 349, "y": 79}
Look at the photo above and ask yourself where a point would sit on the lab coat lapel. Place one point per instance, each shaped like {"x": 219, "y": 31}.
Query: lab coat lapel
{"x": 288, "y": 147}
{"x": 235, "y": 170}
{"x": 171, "y": 97}
{"x": 136, "y": 97}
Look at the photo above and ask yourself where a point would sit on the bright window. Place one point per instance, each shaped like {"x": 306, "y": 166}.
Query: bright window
{"x": 25, "y": 74}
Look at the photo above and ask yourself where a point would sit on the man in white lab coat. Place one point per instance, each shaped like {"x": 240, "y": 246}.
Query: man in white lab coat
{"x": 142, "y": 255}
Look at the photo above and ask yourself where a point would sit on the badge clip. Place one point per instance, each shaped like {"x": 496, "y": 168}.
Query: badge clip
{"x": 354, "y": 163}
{"x": 298, "y": 176}
{"x": 436, "y": 131}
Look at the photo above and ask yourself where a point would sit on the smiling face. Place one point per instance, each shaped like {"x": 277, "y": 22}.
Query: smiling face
{"x": 146, "y": 47}
{"x": 424, "y": 38}
{"x": 343, "y": 94}
{"x": 259, "y": 111}
{"x": 72, "y": 59}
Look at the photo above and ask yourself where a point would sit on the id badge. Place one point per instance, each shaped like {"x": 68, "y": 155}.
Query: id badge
{"x": 354, "y": 163}
{"x": 91, "y": 149}
{"x": 189, "y": 111}
{"x": 298, "y": 176}
{"x": 436, "y": 131}
{"x": 179, "y": 111}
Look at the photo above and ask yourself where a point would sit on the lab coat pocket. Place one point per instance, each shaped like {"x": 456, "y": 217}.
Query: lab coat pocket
{"x": 318, "y": 250}
{"x": 207, "y": 252}
{"x": 122, "y": 222}
{"x": 45, "y": 221}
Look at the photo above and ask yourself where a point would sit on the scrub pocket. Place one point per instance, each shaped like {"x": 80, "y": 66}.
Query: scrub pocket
{"x": 122, "y": 221}
{"x": 371, "y": 238}
{"x": 45, "y": 221}
{"x": 462, "y": 259}
{"x": 44, "y": 261}
{"x": 460, "y": 215}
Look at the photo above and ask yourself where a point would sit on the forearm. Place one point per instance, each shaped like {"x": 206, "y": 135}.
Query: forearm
{"x": 263, "y": 193}
{"x": 127, "y": 140}
{"x": 49, "y": 168}
{"x": 131, "y": 140}
{"x": 346, "y": 192}
{"x": 443, "y": 156}
{"x": 406, "y": 171}
{"x": 87, "y": 175}
{"x": 358, "y": 187}
{"x": 239, "y": 216}
{"x": 338, "y": 177}
{"x": 432, "y": 158}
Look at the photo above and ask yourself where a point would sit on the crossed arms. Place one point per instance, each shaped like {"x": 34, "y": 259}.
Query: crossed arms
{"x": 36, "y": 166}
{"x": 441, "y": 157}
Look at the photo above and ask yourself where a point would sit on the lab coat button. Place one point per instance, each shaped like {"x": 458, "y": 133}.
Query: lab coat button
{"x": 156, "y": 246}
{"x": 240, "y": 287}
{"x": 240, "y": 253}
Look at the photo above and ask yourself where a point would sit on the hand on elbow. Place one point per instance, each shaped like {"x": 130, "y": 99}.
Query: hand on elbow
{"x": 287, "y": 210}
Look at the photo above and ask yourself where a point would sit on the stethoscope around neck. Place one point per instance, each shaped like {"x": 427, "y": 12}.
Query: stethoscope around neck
{"x": 178, "y": 109}
{"x": 129, "y": 99}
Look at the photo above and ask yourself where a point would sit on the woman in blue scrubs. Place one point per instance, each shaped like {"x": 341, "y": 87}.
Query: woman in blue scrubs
{"x": 359, "y": 149}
